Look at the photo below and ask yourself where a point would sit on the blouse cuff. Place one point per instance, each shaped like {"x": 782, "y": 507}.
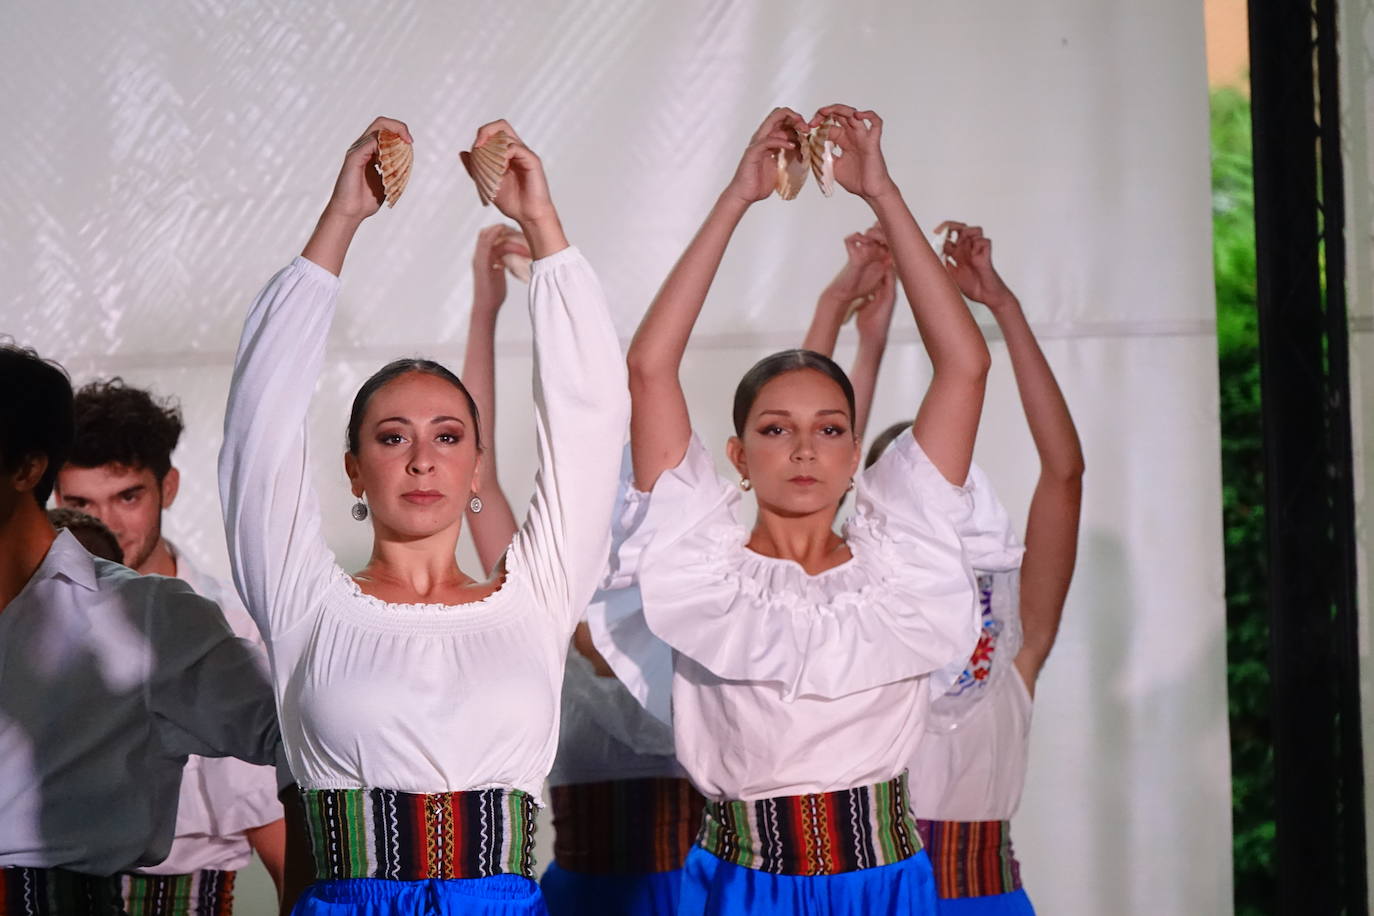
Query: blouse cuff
{"x": 315, "y": 272}
{"x": 555, "y": 261}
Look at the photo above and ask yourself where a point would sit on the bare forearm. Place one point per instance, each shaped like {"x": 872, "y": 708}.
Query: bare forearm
{"x": 493, "y": 527}
{"x": 825, "y": 325}
{"x": 1051, "y": 554}
{"x": 864, "y": 377}
{"x": 269, "y": 842}
{"x": 662, "y": 337}
{"x": 328, "y": 244}
{"x": 544, "y": 232}
{"x": 660, "y": 427}
{"x": 947, "y": 329}
{"x": 1047, "y": 413}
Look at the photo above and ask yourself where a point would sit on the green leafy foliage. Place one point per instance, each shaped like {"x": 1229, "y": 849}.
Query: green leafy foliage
{"x": 1242, "y": 474}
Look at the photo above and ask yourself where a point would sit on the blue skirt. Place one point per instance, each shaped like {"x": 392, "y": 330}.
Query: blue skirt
{"x": 499, "y": 895}
{"x": 714, "y": 887}
{"x": 1015, "y": 903}
{"x": 570, "y": 893}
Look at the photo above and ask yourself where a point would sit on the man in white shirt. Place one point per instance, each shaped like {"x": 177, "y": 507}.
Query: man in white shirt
{"x": 120, "y": 471}
{"x": 108, "y": 680}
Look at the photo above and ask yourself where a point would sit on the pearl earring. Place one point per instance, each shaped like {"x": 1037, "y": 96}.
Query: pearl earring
{"x": 746, "y": 484}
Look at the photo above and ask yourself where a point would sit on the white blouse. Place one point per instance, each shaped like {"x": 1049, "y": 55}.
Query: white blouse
{"x": 221, "y": 798}
{"x": 430, "y": 697}
{"x": 605, "y": 734}
{"x": 108, "y": 679}
{"x": 970, "y": 765}
{"x": 786, "y": 683}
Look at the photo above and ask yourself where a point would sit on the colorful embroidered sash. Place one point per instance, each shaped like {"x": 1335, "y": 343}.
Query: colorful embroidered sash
{"x": 45, "y": 891}
{"x": 971, "y": 858}
{"x": 382, "y": 833}
{"x": 814, "y": 834}
{"x": 625, "y": 827}
{"x": 202, "y": 893}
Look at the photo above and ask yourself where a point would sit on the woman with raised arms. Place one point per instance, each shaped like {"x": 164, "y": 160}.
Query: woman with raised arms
{"x": 802, "y": 655}
{"x": 418, "y": 703}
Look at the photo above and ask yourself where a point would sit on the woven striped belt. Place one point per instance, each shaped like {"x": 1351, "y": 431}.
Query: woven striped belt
{"x": 971, "y": 858}
{"x": 625, "y": 827}
{"x": 814, "y": 834}
{"x": 45, "y": 891}
{"x": 382, "y": 833}
{"x": 202, "y": 893}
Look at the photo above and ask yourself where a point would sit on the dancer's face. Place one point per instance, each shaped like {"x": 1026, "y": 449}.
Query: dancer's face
{"x": 128, "y": 500}
{"x": 798, "y": 447}
{"x": 417, "y": 458}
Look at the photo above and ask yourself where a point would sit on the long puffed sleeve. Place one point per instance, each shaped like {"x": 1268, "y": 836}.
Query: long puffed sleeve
{"x": 582, "y": 409}
{"x": 271, "y": 512}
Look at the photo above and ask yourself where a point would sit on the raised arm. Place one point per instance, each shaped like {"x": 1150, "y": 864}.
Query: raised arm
{"x": 1052, "y": 526}
{"x": 659, "y": 424}
{"x": 271, "y": 513}
{"x": 580, "y": 400}
{"x": 867, "y": 287}
{"x": 493, "y": 527}
{"x": 947, "y": 420}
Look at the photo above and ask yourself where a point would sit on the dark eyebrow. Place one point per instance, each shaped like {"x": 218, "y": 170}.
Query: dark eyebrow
{"x": 130, "y": 491}
{"x": 403, "y": 420}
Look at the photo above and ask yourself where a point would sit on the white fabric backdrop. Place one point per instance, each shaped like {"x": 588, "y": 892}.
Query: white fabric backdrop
{"x": 168, "y": 157}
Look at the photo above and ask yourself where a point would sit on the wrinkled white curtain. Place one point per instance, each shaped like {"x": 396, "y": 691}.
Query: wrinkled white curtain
{"x": 167, "y": 157}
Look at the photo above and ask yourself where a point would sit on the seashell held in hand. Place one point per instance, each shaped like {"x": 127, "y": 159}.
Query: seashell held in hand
{"x": 394, "y": 159}
{"x": 487, "y": 165}
{"x": 820, "y": 151}
{"x": 792, "y": 168}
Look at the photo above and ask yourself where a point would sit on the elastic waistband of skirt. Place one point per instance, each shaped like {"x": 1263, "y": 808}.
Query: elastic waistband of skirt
{"x": 208, "y": 892}
{"x": 625, "y": 826}
{"x": 28, "y": 891}
{"x": 824, "y": 834}
{"x": 971, "y": 858}
{"x": 404, "y": 836}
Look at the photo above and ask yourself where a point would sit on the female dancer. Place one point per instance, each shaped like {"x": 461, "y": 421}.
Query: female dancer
{"x": 624, "y": 814}
{"x": 421, "y": 703}
{"x": 970, "y": 766}
{"x": 799, "y": 685}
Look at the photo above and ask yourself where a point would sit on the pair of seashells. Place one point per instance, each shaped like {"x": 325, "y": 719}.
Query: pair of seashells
{"x": 815, "y": 153}
{"x": 486, "y": 164}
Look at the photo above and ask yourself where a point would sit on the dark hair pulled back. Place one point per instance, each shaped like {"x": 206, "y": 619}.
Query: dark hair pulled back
{"x": 392, "y": 371}
{"x": 770, "y": 367}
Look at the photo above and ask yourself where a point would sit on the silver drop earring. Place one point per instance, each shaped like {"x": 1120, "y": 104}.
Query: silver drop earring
{"x": 359, "y": 510}
{"x": 475, "y": 504}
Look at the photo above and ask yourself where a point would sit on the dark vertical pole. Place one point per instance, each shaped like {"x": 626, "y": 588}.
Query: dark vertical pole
{"x": 1308, "y": 473}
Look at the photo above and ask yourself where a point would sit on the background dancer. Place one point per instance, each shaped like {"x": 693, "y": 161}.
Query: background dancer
{"x": 801, "y": 655}
{"x": 413, "y": 693}
{"x": 624, "y": 814}
{"x": 969, "y": 768}
{"x": 120, "y": 471}
{"x": 104, "y": 674}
